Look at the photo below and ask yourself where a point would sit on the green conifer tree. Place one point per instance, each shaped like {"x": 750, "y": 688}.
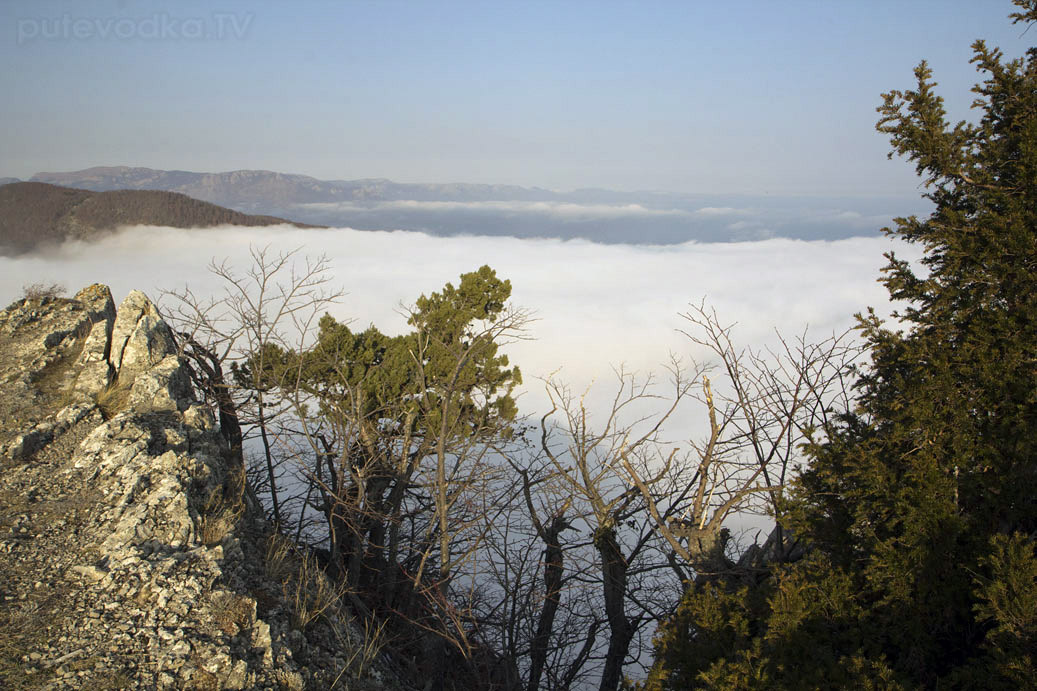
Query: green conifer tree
{"x": 920, "y": 506}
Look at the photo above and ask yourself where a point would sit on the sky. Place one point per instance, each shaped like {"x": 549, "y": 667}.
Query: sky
{"x": 740, "y": 97}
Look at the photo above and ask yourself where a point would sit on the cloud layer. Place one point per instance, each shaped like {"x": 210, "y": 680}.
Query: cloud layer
{"x": 596, "y": 305}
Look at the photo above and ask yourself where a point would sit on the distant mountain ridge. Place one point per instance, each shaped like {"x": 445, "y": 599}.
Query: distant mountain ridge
{"x": 442, "y": 209}
{"x": 251, "y": 189}
{"x": 35, "y": 214}
{"x": 453, "y": 209}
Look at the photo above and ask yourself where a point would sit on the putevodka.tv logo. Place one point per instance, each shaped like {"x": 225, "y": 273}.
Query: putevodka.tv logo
{"x": 216, "y": 26}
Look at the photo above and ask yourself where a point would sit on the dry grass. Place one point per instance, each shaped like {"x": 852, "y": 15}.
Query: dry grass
{"x": 202, "y": 679}
{"x": 365, "y": 652}
{"x": 24, "y": 629}
{"x": 28, "y": 625}
{"x": 222, "y": 511}
{"x": 108, "y": 681}
{"x": 215, "y": 527}
{"x": 232, "y": 613}
{"x": 117, "y": 681}
{"x": 54, "y": 380}
{"x": 114, "y": 398}
{"x": 277, "y": 559}
{"x": 307, "y": 590}
{"x": 311, "y": 594}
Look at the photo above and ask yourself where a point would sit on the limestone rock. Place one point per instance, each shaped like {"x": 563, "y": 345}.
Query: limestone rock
{"x": 165, "y": 386}
{"x": 120, "y": 537}
{"x": 95, "y": 370}
{"x": 140, "y": 338}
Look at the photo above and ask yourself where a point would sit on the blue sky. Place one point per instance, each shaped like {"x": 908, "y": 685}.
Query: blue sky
{"x": 752, "y": 97}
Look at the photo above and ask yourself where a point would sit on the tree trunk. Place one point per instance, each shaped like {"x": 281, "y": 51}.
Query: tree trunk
{"x": 621, "y": 629}
{"x": 553, "y": 569}
{"x": 268, "y": 453}
{"x": 212, "y": 382}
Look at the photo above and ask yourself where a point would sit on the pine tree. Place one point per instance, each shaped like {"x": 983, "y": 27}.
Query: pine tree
{"x": 920, "y": 506}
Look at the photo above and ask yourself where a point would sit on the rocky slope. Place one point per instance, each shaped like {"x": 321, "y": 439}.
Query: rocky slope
{"x": 132, "y": 554}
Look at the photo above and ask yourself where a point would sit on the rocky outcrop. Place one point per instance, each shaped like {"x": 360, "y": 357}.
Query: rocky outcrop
{"x": 132, "y": 554}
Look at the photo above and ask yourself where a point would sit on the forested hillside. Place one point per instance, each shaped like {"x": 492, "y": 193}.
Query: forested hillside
{"x": 35, "y": 214}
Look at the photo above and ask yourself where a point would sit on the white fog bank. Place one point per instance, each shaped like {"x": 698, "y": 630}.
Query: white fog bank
{"x": 596, "y": 305}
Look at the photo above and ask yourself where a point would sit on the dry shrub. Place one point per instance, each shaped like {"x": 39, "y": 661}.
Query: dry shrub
{"x": 266, "y": 600}
{"x": 288, "y": 681}
{"x": 37, "y": 291}
{"x": 231, "y": 612}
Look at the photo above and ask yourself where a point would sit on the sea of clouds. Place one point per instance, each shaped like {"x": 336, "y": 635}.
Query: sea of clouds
{"x": 596, "y": 306}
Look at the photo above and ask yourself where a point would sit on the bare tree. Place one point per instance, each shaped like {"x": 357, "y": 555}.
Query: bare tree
{"x": 774, "y": 401}
{"x": 275, "y": 302}
{"x": 770, "y": 403}
{"x": 550, "y": 532}
{"x": 543, "y": 570}
{"x": 588, "y": 461}
{"x": 646, "y": 496}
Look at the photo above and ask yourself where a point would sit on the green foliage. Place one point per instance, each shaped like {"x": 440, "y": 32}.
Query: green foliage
{"x": 710, "y": 623}
{"x": 452, "y": 355}
{"x": 797, "y": 629}
{"x": 456, "y": 337}
{"x": 1008, "y": 604}
{"x": 921, "y": 505}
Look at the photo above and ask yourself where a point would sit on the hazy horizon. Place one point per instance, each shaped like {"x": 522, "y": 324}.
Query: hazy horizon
{"x": 601, "y": 216}
{"x": 912, "y": 194}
